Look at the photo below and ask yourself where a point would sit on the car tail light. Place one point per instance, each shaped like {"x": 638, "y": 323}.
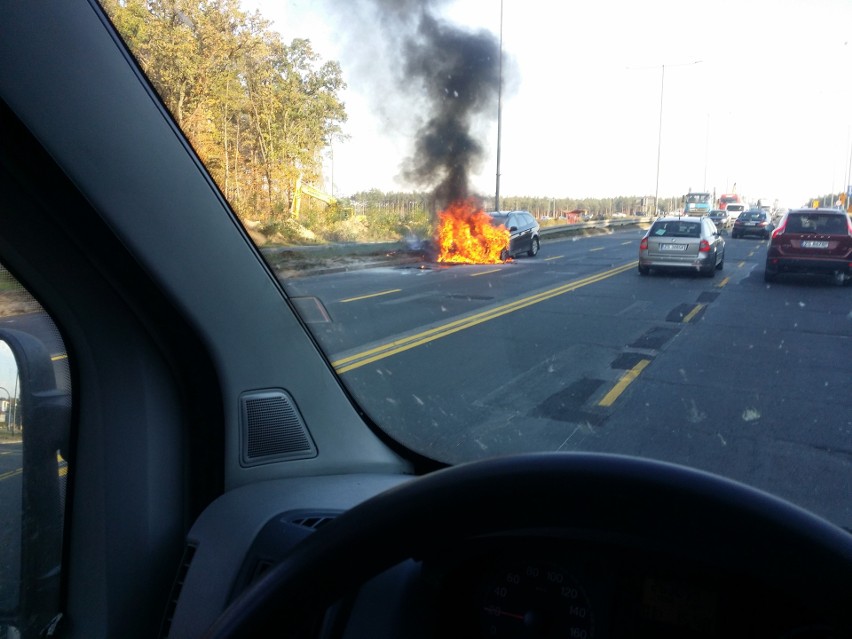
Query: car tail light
{"x": 779, "y": 230}
{"x": 643, "y": 245}
{"x": 704, "y": 247}
{"x": 849, "y": 224}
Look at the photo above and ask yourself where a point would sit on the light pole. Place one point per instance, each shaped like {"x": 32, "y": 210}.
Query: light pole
{"x": 660, "y": 129}
{"x": 499, "y": 111}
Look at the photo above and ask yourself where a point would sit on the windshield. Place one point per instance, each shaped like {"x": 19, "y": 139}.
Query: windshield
{"x": 361, "y": 144}
{"x": 698, "y": 198}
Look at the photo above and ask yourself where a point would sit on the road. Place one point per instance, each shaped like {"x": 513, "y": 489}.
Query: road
{"x": 573, "y": 350}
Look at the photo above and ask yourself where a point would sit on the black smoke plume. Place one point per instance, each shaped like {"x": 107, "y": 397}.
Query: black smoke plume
{"x": 448, "y": 75}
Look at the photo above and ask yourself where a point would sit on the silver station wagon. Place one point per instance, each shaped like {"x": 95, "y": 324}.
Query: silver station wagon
{"x": 682, "y": 242}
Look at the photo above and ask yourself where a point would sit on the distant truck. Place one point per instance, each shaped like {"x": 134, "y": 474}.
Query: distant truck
{"x": 729, "y": 198}
{"x": 697, "y": 203}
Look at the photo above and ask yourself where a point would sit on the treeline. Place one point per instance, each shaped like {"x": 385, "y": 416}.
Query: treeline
{"x": 258, "y": 111}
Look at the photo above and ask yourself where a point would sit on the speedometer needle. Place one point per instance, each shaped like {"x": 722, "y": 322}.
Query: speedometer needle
{"x": 494, "y": 610}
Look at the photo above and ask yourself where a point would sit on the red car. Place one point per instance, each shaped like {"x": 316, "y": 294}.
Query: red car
{"x": 812, "y": 241}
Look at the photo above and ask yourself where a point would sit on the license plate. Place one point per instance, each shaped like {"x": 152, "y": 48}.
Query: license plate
{"x": 814, "y": 244}
{"x": 751, "y": 223}
{"x": 672, "y": 247}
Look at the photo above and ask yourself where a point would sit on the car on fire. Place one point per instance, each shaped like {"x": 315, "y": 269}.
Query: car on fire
{"x": 524, "y": 233}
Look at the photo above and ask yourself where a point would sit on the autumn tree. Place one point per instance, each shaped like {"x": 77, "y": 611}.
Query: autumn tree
{"x": 257, "y": 111}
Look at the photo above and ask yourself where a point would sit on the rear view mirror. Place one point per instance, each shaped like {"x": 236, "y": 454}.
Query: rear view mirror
{"x": 37, "y": 420}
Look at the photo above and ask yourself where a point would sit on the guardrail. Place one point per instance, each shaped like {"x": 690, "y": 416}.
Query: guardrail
{"x": 597, "y": 224}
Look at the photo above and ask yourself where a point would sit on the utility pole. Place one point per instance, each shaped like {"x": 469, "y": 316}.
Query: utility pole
{"x": 499, "y": 111}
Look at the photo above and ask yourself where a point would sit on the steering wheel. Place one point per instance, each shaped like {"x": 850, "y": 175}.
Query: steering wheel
{"x": 728, "y": 523}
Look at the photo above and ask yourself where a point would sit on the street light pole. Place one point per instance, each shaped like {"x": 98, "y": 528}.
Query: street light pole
{"x": 659, "y": 138}
{"x": 499, "y": 111}
{"x": 660, "y": 129}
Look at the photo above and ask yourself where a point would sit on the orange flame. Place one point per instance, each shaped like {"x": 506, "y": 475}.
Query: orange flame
{"x": 467, "y": 236}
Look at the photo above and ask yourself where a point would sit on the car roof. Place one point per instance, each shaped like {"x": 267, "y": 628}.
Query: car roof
{"x": 830, "y": 211}
{"x": 679, "y": 218}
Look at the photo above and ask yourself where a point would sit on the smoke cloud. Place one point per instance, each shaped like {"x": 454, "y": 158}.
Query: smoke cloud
{"x": 447, "y": 75}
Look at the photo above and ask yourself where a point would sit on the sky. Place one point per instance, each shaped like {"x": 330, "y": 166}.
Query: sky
{"x": 731, "y": 94}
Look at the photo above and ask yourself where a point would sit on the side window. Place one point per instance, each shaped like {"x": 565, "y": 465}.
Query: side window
{"x": 35, "y": 410}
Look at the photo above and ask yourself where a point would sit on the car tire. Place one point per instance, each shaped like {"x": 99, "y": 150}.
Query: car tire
{"x": 504, "y": 255}
{"x": 534, "y": 247}
{"x": 644, "y": 270}
{"x": 734, "y": 235}
{"x": 711, "y": 272}
{"x": 721, "y": 263}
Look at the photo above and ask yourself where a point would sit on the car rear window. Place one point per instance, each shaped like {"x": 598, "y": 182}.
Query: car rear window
{"x": 753, "y": 216}
{"x": 676, "y": 229}
{"x": 816, "y": 223}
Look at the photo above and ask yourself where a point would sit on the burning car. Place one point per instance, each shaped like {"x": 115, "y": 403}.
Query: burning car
{"x": 523, "y": 232}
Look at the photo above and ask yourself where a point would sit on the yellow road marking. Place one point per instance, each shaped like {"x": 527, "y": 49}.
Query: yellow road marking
{"x": 599, "y": 248}
{"x": 56, "y": 358}
{"x": 623, "y": 383}
{"x": 741, "y": 264}
{"x": 393, "y": 347}
{"x": 723, "y": 282}
{"x": 689, "y": 316}
{"x": 364, "y": 297}
{"x": 555, "y": 257}
{"x": 11, "y": 473}
{"x": 494, "y": 270}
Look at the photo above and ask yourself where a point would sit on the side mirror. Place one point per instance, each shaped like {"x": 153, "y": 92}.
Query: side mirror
{"x": 513, "y": 229}
{"x": 33, "y": 504}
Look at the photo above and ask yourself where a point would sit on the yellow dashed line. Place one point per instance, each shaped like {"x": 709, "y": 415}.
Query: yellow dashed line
{"x": 494, "y": 270}
{"x": 691, "y": 315}
{"x": 623, "y": 383}
{"x": 364, "y": 297}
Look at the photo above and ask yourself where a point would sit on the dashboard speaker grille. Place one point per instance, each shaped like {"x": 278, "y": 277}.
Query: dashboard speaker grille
{"x": 273, "y": 429}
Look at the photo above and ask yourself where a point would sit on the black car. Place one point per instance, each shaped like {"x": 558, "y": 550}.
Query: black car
{"x": 524, "y": 232}
{"x": 754, "y": 222}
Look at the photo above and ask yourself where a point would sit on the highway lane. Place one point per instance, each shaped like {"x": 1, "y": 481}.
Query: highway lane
{"x": 364, "y": 307}
{"x": 727, "y": 374}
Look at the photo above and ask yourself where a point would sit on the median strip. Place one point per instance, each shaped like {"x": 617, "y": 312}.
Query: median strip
{"x": 393, "y": 347}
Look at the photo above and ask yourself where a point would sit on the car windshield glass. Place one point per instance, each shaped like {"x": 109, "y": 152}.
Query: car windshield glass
{"x": 363, "y": 144}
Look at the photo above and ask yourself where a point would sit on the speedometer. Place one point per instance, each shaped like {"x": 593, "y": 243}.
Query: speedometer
{"x": 535, "y": 599}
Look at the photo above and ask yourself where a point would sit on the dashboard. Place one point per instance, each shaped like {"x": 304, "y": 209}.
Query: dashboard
{"x": 480, "y": 550}
{"x": 552, "y": 584}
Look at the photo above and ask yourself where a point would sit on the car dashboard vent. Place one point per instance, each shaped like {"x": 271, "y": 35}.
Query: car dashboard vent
{"x": 272, "y": 429}
{"x": 177, "y": 586}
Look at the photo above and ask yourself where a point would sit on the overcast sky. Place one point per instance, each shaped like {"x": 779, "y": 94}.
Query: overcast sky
{"x": 756, "y": 93}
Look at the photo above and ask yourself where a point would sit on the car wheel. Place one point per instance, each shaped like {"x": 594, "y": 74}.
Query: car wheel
{"x": 734, "y": 235}
{"x": 721, "y": 263}
{"x": 644, "y": 270}
{"x": 533, "y": 247}
{"x": 711, "y": 272}
{"x": 504, "y": 255}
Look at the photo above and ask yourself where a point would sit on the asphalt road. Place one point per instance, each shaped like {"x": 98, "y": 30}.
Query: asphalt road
{"x": 574, "y": 350}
